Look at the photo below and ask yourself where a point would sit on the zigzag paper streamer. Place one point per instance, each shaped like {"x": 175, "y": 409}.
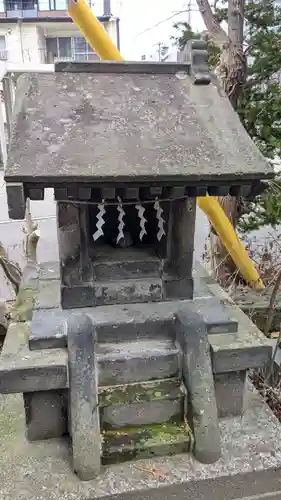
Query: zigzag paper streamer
{"x": 159, "y": 211}
{"x": 100, "y": 222}
{"x": 121, "y": 224}
{"x": 140, "y": 209}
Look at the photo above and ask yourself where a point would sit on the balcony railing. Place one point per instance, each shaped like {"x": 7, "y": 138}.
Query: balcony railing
{"x": 39, "y": 8}
{"x": 71, "y": 56}
{"x": 21, "y": 9}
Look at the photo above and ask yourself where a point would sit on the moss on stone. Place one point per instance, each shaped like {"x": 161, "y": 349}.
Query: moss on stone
{"x": 145, "y": 441}
{"x": 137, "y": 393}
{"x": 23, "y": 308}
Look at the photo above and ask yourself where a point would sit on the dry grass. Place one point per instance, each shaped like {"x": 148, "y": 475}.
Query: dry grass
{"x": 266, "y": 254}
{"x": 269, "y": 390}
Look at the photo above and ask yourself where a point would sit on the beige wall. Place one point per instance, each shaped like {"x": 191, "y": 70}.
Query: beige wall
{"x": 25, "y": 42}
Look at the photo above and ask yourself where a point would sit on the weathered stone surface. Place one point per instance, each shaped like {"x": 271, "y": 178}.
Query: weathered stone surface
{"x": 77, "y": 297}
{"x": 121, "y": 323}
{"x": 48, "y": 296}
{"x": 25, "y": 371}
{"x": 153, "y": 412}
{"x": 83, "y": 397}
{"x": 137, "y": 361}
{"x": 36, "y": 193}
{"x": 118, "y": 323}
{"x": 24, "y": 305}
{"x": 16, "y": 200}
{"x": 197, "y": 374}
{"x": 216, "y": 316}
{"x": 235, "y": 356}
{"x": 127, "y": 269}
{"x": 230, "y": 391}
{"x": 177, "y": 272}
{"x": 199, "y": 62}
{"x": 146, "y": 441}
{"x": 46, "y": 414}
{"x": 17, "y": 376}
{"x": 250, "y": 464}
{"x": 49, "y": 271}
{"x": 48, "y": 329}
{"x": 68, "y": 232}
{"x": 112, "y": 292}
{"x": 143, "y": 392}
{"x": 249, "y": 349}
{"x": 113, "y": 263}
{"x": 128, "y": 291}
{"x": 178, "y": 288}
{"x": 30, "y": 275}
{"x": 199, "y": 154}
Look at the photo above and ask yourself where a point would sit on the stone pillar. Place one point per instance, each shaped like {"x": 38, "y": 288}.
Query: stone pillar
{"x": 192, "y": 335}
{"x": 177, "y": 275}
{"x": 230, "y": 392}
{"x": 8, "y": 91}
{"x": 45, "y": 414}
{"x": 83, "y": 397}
{"x": 85, "y": 261}
{"x": 75, "y": 265}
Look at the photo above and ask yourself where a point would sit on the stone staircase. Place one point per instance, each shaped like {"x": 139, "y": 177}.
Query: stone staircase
{"x": 141, "y": 393}
{"x": 115, "y": 276}
{"x": 143, "y": 419}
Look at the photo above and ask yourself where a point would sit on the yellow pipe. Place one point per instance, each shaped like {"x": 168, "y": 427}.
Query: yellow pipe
{"x": 101, "y": 43}
{"x": 227, "y": 234}
{"x": 93, "y": 31}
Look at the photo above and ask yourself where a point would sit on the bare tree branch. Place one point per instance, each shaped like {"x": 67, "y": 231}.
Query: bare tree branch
{"x": 11, "y": 269}
{"x": 271, "y": 307}
{"x": 216, "y": 33}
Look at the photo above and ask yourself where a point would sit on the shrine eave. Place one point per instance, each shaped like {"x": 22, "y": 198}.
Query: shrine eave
{"x": 94, "y": 192}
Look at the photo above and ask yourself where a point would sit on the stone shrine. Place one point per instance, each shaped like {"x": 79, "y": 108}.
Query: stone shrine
{"x": 125, "y": 349}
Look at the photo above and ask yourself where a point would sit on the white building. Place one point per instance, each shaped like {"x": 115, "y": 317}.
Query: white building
{"x": 33, "y": 35}
{"x": 40, "y": 31}
{"x": 162, "y": 52}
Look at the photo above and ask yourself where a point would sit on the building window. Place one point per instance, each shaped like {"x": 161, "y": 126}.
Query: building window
{"x": 82, "y": 51}
{"x": 3, "y": 49}
{"x": 2, "y": 6}
{"x": 20, "y": 8}
{"x": 73, "y": 48}
{"x": 21, "y": 5}
{"x": 52, "y": 4}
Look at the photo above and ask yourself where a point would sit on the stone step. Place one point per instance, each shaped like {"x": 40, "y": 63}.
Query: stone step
{"x": 113, "y": 265}
{"x": 130, "y": 322}
{"x": 141, "y": 404}
{"x": 104, "y": 293}
{"x": 116, "y": 271}
{"x": 146, "y": 441}
{"x": 127, "y": 362}
{"x": 127, "y": 291}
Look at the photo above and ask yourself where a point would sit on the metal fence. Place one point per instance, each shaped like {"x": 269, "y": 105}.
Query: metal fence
{"x": 20, "y": 9}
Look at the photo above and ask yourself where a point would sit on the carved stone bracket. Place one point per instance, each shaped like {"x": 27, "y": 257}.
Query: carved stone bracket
{"x": 199, "y": 62}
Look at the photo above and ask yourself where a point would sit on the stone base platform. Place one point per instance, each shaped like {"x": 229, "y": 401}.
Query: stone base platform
{"x": 250, "y": 467}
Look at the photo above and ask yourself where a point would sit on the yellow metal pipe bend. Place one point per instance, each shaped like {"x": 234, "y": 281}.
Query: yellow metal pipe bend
{"x": 101, "y": 43}
{"x": 228, "y": 236}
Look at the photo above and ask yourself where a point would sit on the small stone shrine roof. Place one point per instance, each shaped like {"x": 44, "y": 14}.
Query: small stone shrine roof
{"x": 128, "y": 122}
